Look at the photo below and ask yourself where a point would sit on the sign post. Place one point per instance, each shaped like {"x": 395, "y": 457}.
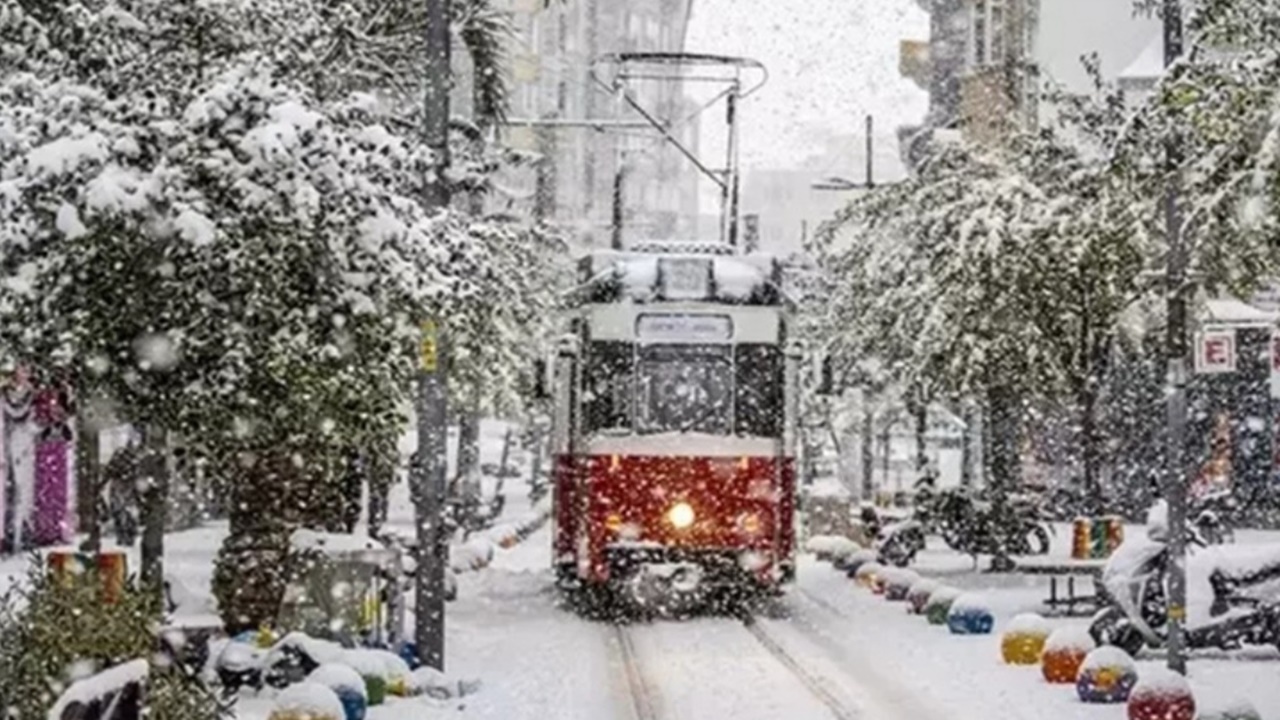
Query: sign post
{"x": 428, "y": 487}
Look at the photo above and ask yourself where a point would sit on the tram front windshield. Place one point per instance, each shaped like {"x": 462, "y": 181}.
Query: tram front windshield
{"x": 712, "y": 389}
{"x": 684, "y": 388}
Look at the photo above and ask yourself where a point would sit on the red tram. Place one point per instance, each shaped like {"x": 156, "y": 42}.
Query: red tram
{"x": 675, "y": 407}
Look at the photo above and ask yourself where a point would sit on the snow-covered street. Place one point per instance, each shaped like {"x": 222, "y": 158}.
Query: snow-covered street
{"x": 831, "y": 650}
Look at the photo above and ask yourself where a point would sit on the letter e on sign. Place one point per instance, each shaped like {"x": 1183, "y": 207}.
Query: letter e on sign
{"x": 1216, "y": 352}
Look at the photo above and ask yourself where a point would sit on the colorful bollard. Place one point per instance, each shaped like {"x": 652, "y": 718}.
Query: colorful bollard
{"x": 1064, "y": 653}
{"x": 868, "y": 574}
{"x": 939, "y": 605}
{"x": 1161, "y": 694}
{"x": 918, "y": 595}
{"x": 1107, "y": 675}
{"x": 970, "y": 615}
{"x": 1024, "y": 639}
{"x": 898, "y": 583}
{"x": 347, "y": 684}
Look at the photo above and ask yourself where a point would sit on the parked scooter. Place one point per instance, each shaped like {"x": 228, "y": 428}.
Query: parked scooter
{"x": 899, "y": 543}
{"x": 1242, "y": 609}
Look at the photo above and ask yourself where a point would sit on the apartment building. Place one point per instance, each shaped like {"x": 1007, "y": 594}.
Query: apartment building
{"x": 582, "y": 166}
{"x": 987, "y": 60}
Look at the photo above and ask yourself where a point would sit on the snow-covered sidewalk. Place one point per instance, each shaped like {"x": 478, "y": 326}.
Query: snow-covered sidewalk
{"x": 909, "y": 661}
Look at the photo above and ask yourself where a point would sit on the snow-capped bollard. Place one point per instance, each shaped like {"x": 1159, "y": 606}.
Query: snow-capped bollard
{"x": 918, "y": 595}
{"x": 1024, "y": 639}
{"x": 347, "y": 684}
{"x": 372, "y": 667}
{"x": 939, "y": 605}
{"x": 828, "y": 548}
{"x": 868, "y": 574}
{"x": 1064, "y": 653}
{"x": 397, "y": 670}
{"x": 850, "y": 563}
{"x": 898, "y": 583}
{"x": 1236, "y": 709}
{"x": 1161, "y": 694}
{"x": 307, "y": 701}
{"x": 970, "y": 615}
{"x": 1107, "y": 675}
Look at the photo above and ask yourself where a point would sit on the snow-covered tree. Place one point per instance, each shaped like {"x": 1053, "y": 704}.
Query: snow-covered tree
{"x": 231, "y": 244}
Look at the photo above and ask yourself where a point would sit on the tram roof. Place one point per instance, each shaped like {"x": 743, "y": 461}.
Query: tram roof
{"x": 680, "y": 272}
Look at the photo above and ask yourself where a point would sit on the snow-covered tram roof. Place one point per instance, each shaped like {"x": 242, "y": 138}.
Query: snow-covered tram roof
{"x": 680, "y": 272}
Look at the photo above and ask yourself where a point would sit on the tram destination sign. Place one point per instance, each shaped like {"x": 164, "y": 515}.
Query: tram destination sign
{"x": 671, "y": 327}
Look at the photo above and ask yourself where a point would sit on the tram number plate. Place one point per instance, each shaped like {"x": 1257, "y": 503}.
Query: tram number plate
{"x": 684, "y": 328}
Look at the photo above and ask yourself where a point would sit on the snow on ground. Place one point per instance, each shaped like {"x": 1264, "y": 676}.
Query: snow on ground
{"x": 925, "y": 672}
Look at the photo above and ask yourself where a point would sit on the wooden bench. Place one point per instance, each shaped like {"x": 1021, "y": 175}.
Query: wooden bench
{"x": 1059, "y": 572}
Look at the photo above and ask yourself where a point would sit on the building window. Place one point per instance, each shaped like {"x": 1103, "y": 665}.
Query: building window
{"x": 987, "y": 32}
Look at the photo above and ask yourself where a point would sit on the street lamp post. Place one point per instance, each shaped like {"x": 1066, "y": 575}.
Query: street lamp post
{"x": 1176, "y": 349}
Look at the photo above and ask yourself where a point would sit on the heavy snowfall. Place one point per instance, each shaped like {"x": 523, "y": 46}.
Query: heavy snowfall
{"x": 643, "y": 359}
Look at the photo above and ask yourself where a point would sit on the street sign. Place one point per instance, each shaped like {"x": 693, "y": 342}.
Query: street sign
{"x": 1216, "y": 352}
{"x": 429, "y": 351}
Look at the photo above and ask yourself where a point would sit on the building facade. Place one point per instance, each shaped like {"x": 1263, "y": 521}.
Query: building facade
{"x": 581, "y": 167}
{"x": 987, "y": 61}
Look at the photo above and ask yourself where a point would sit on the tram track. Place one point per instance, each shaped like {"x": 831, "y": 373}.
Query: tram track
{"x": 815, "y": 683}
{"x": 644, "y": 702}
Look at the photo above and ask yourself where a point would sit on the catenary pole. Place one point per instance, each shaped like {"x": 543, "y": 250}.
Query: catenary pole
{"x": 1176, "y": 349}
{"x": 428, "y": 470}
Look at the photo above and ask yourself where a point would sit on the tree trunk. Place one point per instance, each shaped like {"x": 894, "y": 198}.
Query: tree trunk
{"x": 469, "y": 446}
{"x": 969, "y": 416}
{"x": 88, "y": 479}
{"x": 920, "y": 414}
{"x": 155, "y": 491}
{"x": 1005, "y": 468}
{"x": 868, "y": 454}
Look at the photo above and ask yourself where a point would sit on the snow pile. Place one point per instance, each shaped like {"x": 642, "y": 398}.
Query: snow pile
{"x": 1228, "y": 709}
{"x": 310, "y": 699}
{"x": 99, "y": 686}
{"x": 736, "y": 280}
{"x": 831, "y": 546}
{"x": 1029, "y": 624}
{"x": 320, "y": 651}
{"x": 475, "y": 554}
{"x": 1160, "y": 682}
{"x": 1107, "y": 657}
{"x": 394, "y": 668}
{"x": 338, "y": 677}
{"x": 971, "y": 604}
{"x": 944, "y": 594}
{"x": 304, "y": 540}
{"x": 1070, "y": 639}
{"x": 368, "y": 663}
{"x": 639, "y": 277}
{"x": 435, "y": 684}
{"x": 868, "y": 572}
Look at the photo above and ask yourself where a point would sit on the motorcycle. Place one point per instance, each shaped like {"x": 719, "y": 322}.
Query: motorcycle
{"x": 1233, "y": 593}
{"x": 969, "y": 524}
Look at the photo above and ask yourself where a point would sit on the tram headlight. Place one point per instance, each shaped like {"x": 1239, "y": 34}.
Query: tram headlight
{"x": 681, "y": 515}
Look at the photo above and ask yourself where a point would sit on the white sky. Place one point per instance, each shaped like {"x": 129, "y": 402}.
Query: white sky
{"x": 830, "y": 62}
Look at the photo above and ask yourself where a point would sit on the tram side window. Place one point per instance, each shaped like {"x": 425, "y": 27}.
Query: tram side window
{"x": 759, "y": 391}
{"x": 608, "y": 386}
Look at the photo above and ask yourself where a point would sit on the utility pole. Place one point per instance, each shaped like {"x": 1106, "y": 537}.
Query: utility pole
{"x": 1176, "y": 352}
{"x": 428, "y": 470}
